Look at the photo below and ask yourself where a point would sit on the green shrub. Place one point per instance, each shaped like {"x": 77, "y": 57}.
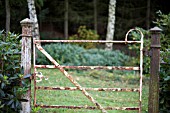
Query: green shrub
{"x": 163, "y": 22}
{"x": 84, "y": 34}
{"x": 136, "y": 47}
{"x": 105, "y": 58}
{"x": 11, "y": 84}
{"x": 165, "y": 82}
{"x": 64, "y": 54}
{"x": 67, "y": 54}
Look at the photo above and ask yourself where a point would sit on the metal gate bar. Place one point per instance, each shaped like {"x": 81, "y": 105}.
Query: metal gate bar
{"x": 87, "y": 107}
{"x": 90, "y": 67}
{"x": 61, "y": 68}
{"x": 71, "y": 79}
{"x": 90, "y": 89}
{"x": 88, "y": 41}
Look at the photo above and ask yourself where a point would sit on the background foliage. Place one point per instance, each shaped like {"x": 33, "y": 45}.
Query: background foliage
{"x": 67, "y": 54}
{"x": 129, "y": 13}
{"x": 163, "y": 22}
{"x": 11, "y": 84}
{"x": 134, "y": 35}
{"x": 85, "y": 34}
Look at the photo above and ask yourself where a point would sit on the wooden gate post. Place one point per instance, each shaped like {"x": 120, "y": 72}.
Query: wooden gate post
{"x": 26, "y": 59}
{"x": 153, "y": 105}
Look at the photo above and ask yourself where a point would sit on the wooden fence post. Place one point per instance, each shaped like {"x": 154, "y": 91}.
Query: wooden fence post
{"x": 153, "y": 104}
{"x": 26, "y": 59}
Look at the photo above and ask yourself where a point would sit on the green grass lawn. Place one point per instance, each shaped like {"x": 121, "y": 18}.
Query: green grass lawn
{"x": 95, "y": 79}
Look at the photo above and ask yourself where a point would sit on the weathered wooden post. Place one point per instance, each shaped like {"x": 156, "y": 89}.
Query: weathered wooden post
{"x": 153, "y": 105}
{"x": 26, "y": 59}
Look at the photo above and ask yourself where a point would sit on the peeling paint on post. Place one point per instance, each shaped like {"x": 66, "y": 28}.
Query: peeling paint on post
{"x": 26, "y": 59}
{"x": 153, "y": 106}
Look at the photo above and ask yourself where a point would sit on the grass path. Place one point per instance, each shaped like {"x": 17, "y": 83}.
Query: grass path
{"x": 93, "y": 79}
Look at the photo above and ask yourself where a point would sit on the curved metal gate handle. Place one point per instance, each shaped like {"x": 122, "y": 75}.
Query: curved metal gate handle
{"x": 131, "y": 31}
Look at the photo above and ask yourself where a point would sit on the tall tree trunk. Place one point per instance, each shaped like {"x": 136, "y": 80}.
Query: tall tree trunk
{"x": 33, "y": 17}
{"x": 95, "y": 15}
{"x": 148, "y": 15}
{"x": 66, "y": 20}
{"x": 7, "y": 6}
{"x": 111, "y": 24}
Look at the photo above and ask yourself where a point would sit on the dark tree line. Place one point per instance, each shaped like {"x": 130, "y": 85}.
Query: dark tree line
{"x": 92, "y": 13}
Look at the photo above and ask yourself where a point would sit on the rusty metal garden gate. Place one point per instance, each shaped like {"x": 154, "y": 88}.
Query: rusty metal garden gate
{"x": 78, "y": 86}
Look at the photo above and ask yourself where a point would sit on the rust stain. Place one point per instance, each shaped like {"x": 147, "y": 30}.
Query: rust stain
{"x": 88, "y": 41}
{"x": 87, "y": 107}
{"x": 72, "y": 79}
{"x": 90, "y": 89}
{"x": 84, "y": 90}
{"x": 90, "y": 67}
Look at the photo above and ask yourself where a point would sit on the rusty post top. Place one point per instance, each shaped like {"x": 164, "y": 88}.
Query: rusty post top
{"x": 27, "y": 22}
{"x": 155, "y": 42}
{"x": 155, "y": 29}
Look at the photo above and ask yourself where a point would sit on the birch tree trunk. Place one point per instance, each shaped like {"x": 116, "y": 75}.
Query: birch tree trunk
{"x": 33, "y": 17}
{"x": 8, "y": 15}
{"x": 66, "y": 20}
{"x": 111, "y": 24}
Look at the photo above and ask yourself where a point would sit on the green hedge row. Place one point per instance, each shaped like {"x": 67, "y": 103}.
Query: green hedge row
{"x": 67, "y": 54}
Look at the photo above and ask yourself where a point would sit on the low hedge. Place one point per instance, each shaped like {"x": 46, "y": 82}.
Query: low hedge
{"x": 67, "y": 54}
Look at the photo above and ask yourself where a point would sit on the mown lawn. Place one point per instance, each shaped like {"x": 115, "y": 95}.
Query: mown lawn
{"x": 88, "y": 79}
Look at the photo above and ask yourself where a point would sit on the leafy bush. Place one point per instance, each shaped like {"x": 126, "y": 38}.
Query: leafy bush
{"x": 136, "y": 47}
{"x": 84, "y": 34}
{"x": 66, "y": 54}
{"x": 165, "y": 82}
{"x": 11, "y": 84}
{"x": 164, "y": 23}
